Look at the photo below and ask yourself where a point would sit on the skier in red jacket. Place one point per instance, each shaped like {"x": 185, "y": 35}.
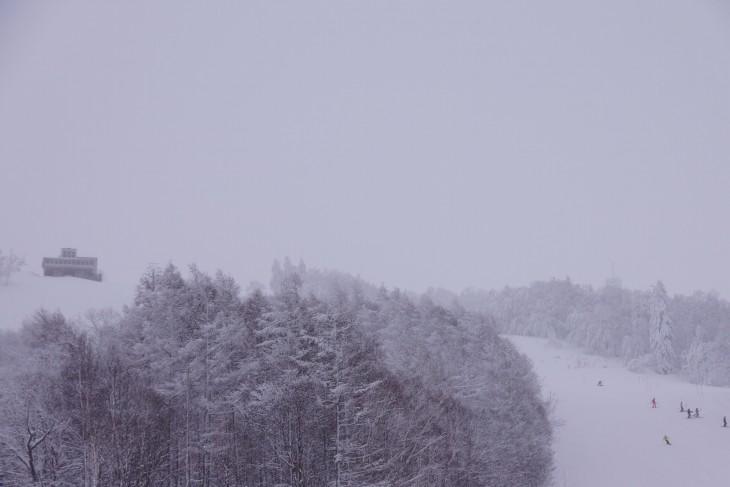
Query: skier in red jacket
{"x": 653, "y": 402}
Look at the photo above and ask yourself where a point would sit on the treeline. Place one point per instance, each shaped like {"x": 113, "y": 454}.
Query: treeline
{"x": 686, "y": 335}
{"x": 327, "y": 381}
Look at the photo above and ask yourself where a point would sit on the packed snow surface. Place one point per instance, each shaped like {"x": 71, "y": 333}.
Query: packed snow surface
{"x": 27, "y": 292}
{"x": 611, "y": 436}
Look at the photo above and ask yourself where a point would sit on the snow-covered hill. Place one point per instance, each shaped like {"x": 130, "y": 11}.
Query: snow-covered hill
{"x": 72, "y": 296}
{"x": 611, "y": 436}
{"x": 608, "y": 436}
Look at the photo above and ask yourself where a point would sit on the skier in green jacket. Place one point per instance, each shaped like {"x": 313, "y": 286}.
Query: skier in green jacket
{"x": 666, "y": 440}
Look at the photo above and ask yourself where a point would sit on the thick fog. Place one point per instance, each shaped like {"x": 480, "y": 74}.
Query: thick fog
{"x": 415, "y": 143}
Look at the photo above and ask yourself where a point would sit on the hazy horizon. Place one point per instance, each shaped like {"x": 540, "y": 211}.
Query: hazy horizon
{"x": 414, "y": 144}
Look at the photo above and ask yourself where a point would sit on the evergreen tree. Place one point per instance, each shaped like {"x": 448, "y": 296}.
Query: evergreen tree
{"x": 696, "y": 357}
{"x": 660, "y": 330}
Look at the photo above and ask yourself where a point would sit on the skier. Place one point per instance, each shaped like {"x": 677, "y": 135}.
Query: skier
{"x": 600, "y": 383}
{"x": 681, "y": 407}
{"x": 689, "y": 413}
{"x": 724, "y": 422}
{"x": 697, "y": 412}
{"x": 666, "y": 440}
{"x": 653, "y": 402}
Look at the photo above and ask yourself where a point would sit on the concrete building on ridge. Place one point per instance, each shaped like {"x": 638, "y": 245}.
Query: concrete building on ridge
{"x": 69, "y": 264}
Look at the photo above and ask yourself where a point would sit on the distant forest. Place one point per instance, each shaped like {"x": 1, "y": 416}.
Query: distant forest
{"x": 325, "y": 381}
{"x": 684, "y": 335}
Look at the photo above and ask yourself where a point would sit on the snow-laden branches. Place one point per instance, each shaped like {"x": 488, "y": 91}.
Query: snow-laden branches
{"x": 327, "y": 382}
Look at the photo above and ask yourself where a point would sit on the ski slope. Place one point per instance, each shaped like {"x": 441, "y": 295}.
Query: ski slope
{"x": 611, "y": 436}
{"x": 27, "y": 292}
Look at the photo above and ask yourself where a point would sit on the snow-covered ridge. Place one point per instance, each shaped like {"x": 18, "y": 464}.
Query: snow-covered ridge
{"x": 611, "y": 436}
{"x": 28, "y": 292}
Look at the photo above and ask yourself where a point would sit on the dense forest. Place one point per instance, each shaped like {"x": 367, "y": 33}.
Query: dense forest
{"x": 684, "y": 335}
{"x": 324, "y": 381}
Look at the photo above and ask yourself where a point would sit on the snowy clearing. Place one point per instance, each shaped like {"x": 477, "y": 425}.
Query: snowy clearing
{"x": 611, "y": 436}
{"x": 27, "y": 292}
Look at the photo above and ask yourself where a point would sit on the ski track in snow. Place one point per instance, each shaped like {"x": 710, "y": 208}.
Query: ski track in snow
{"x": 611, "y": 436}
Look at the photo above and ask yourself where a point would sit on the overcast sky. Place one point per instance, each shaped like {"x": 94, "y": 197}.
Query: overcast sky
{"x": 415, "y": 143}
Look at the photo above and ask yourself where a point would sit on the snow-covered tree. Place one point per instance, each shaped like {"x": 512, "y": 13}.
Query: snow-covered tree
{"x": 718, "y": 360}
{"x": 660, "y": 329}
{"x": 696, "y": 357}
{"x": 9, "y": 265}
{"x": 329, "y": 381}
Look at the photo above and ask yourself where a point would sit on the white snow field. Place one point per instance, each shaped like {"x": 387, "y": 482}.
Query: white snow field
{"x": 611, "y": 436}
{"x": 27, "y": 292}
